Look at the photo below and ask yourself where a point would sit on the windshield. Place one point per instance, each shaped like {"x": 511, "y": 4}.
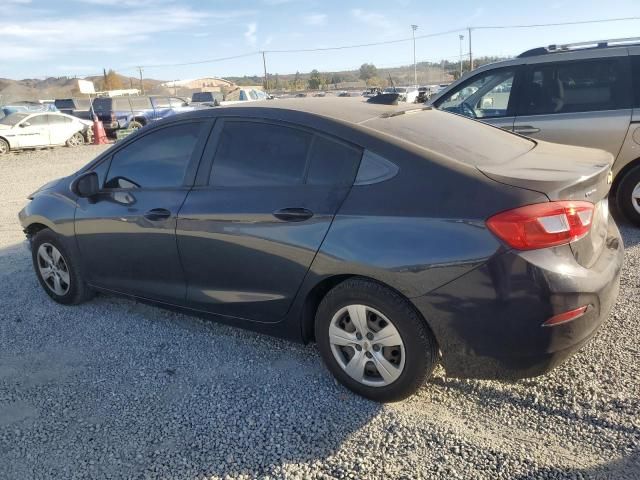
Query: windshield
{"x": 13, "y": 119}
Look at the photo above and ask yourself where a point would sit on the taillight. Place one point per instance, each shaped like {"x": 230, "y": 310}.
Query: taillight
{"x": 543, "y": 224}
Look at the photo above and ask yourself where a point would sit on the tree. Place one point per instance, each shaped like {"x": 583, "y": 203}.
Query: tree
{"x": 367, "y": 71}
{"x": 315, "y": 80}
{"x": 297, "y": 82}
{"x": 336, "y": 79}
{"x": 112, "y": 81}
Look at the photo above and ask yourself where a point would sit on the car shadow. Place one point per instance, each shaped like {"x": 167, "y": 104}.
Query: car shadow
{"x": 115, "y": 386}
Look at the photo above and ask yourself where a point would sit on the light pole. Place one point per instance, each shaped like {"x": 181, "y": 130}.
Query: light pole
{"x": 461, "y": 39}
{"x": 415, "y": 68}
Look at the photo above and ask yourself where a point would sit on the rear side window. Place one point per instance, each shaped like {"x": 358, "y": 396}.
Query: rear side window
{"x": 332, "y": 163}
{"x": 141, "y": 102}
{"x": 635, "y": 73}
{"x": 58, "y": 119}
{"x": 156, "y": 160}
{"x": 581, "y": 86}
{"x": 260, "y": 154}
{"x": 102, "y": 104}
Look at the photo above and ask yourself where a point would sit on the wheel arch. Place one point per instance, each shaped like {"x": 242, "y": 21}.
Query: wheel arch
{"x": 320, "y": 290}
{"x": 35, "y": 227}
{"x": 141, "y": 120}
{"x": 620, "y": 175}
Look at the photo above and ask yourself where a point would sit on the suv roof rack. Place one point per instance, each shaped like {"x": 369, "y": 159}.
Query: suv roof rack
{"x": 567, "y": 47}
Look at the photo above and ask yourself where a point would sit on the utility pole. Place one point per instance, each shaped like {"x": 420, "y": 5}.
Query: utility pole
{"x": 141, "y": 83}
{"x": 266, "y": 79}
{"x": 470, "y": 51}
{"x": 415, "y": 68}
{"x": 461, "y": 39}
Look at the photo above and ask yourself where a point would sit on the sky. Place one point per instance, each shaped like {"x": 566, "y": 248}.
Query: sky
{"x": 41, "y": 38}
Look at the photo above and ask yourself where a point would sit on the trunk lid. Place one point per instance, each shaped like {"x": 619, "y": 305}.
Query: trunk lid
{"x": 564, "y": 172}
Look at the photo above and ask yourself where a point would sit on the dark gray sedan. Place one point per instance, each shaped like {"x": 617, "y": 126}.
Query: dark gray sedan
{"x": 393, "y": 237}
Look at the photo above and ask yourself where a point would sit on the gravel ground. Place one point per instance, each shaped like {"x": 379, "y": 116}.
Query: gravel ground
{"x": 117, "y": 389}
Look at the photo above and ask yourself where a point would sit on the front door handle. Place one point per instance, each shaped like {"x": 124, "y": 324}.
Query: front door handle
{"x": 157, "y": 214}
{"x": 293, "y": 214}
{"x": 525, "y": 129}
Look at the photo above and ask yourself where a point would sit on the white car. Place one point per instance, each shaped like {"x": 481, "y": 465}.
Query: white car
{"x": 43, "y": 129}
{"x": 242, "y": 95}
{"x": 407, "y": 94}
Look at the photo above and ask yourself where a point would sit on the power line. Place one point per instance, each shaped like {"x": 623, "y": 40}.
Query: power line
{"x": 559, "y": 24}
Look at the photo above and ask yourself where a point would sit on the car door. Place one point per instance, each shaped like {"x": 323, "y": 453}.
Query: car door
{"x": 489, "y": 96}
{"x": 61, "y": 128}
{"x": 126, "y": 234}
{"x": 33, "y": 131}
{"x": 584, "y": 102}
{"x": 249, "y": 232}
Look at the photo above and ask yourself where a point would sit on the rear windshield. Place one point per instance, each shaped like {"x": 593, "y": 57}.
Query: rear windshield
{"x": 102, "y": 104}
{"x": 202, "y": 97}
{"x": 454, "y": 136}
{"x": 65, "y": 103}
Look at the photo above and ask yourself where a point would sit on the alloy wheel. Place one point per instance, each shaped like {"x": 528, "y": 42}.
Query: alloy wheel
{"x": 76, "y": 140}
{"x": 53, "y": 269}
{"x": 366, "y": 345}
{"x": 635, "y": 198}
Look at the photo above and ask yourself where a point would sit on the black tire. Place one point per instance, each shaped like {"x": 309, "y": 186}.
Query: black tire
{"x": 624, "y": 199}
{"x": 4, "y": 147}
{"x": 420, "y": 346}
{"x": 78, "y": 291}
{"x": 135, "y": 125}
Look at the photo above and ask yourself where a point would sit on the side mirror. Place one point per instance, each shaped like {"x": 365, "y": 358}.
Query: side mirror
{"x": 25, "y": 124}
{"x": 86, "y": 185}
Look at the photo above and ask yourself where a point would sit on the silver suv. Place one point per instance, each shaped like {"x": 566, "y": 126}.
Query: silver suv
{"x": 585, "y": 94}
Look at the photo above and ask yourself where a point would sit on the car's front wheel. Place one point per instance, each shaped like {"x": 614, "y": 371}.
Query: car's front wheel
{"x": 56, "y": 270}
{"x": 4, "y": 146}
{"x": 374, "y": 341}
{"x": 628, "y": 195}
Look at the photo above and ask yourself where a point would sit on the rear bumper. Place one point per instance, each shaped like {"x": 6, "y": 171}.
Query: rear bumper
{"x": 489, "y": 322}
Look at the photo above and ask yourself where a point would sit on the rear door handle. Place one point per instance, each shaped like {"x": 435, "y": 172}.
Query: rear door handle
{"x": 293, "y": 214}
{"x": 157, "y": 214}
{"x": 525, "y": 129}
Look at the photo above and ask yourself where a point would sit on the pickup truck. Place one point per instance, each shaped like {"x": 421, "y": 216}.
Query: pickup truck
{"x": 136, "y": 111}
{"x": 207, "y": 99}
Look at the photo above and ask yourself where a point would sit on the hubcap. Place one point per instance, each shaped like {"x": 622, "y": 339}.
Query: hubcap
{"x": 635, "y": 198}
{"x": 3, "y": 148}
{"x": 76, "y": 140}
{"x": 53, "y": 269}
{"x": 366, "y": 345}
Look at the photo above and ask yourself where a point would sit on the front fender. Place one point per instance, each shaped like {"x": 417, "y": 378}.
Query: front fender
{"x": 52, "y": 209}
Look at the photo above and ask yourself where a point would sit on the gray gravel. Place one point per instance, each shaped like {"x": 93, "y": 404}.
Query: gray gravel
{"x": 117, "y": 389}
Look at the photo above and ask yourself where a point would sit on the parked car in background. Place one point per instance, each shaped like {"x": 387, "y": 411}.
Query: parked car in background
{"x": 406, "y": 94}
{"x": 206, "y": 99}
{"x": 418, "y": 237}
{"x": 584, "y": 94}
{"x": 240, "y": 95}
{"x": 26, "y": 106}
{"x": 423, "y": 94}
{"x": 78, "y": 107}
{"x": 22, "y": 130}
{"x": 133, "y": 112}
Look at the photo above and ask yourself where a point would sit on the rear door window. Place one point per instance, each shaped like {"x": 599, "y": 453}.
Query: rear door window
{"x": 332, "y": 162}
{"x": 576, "y": 86}
{"x": 260, "y": 154}
{"x": 156, "y": 160}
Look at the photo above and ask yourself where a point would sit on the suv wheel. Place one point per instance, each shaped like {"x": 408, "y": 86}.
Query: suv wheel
{"x": 628, "y": 195}
{"x": 135, "y": 125}
{"x": 373, "y": 340}
{"x": 56, "y": 270}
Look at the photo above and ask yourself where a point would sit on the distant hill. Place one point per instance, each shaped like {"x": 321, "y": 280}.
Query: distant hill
{"x": 65, "y": 87}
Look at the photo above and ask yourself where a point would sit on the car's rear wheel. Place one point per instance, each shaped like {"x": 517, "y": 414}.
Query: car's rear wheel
{"x": 374, "y": 341}
{"x": 57, "y": 272}
{"x": 628, "y": 195}
{"x": 135, "y": 125}
{"x": 76, "y": 140}
{"x": 4, "y": 146}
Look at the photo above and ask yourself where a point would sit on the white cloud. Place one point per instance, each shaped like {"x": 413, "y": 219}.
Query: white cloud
{"x": 372, "y": 19}
{"x": 315, "y": 19}
{"x": 250, "y": 34}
